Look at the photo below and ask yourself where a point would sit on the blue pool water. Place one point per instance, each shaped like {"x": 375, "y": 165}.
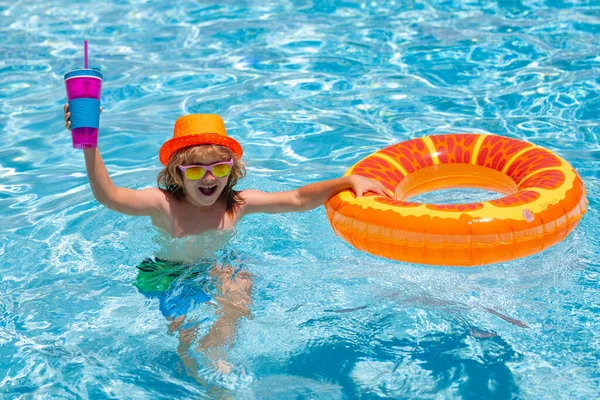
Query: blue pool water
{"x": 309, "y": 88}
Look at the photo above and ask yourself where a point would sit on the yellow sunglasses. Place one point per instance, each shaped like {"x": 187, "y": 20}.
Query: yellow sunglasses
{"x": 197, "y": 172}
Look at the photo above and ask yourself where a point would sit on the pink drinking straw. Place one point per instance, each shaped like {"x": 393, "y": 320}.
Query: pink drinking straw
{"x": 85, "y": 54}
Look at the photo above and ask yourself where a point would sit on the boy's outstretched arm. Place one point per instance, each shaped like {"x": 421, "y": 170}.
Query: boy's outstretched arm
{"x": 147, "y": 202}
{"x": 309, "y": 196}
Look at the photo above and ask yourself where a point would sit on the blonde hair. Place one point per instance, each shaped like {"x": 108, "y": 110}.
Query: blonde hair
{"x": 171, "y": 178}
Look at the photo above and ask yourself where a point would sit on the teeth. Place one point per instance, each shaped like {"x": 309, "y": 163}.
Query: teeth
{"x": 207, "y": 190}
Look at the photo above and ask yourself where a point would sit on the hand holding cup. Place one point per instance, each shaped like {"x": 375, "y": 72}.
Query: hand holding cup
{"x": 67, "y": 116}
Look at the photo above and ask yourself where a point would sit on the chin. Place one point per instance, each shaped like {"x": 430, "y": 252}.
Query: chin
{"x": 203, "y": 201}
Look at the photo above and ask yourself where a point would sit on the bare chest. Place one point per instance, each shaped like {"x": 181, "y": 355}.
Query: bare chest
{"x": 184, "y": 219}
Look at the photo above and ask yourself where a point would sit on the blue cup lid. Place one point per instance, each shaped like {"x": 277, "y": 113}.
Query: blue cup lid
{"x": 93, "y": 72}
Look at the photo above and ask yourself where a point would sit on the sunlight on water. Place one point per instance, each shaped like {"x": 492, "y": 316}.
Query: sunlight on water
{"x": 456, "y": 196}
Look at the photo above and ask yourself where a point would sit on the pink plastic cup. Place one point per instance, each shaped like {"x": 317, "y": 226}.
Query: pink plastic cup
{"x": 83, "y": 92}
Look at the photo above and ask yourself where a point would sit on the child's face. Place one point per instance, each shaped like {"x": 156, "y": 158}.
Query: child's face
{"x": 205, "y": 191}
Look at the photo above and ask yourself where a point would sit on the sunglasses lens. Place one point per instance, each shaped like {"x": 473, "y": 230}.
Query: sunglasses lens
{"x": 221, "y": 170}
{"x": 193, "y": 174}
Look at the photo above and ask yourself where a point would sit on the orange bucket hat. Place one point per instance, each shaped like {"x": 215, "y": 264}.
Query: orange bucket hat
{"x": 197, "y": 129}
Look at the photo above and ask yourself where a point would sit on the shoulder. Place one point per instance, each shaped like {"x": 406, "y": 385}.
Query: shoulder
{"x": 157, "y": 194}
{"x": 150, "y": 201}
{"x": 164, "y": 202}
{"x": 163, "y": 197}
{"x": 251, "y": 194}
{"x": 250, "y": 198}
{"x": 157, "y": 198}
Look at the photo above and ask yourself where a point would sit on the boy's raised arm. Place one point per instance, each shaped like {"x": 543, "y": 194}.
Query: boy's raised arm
{"x": 147, "y": 202}
{"x": 309, "y": 196}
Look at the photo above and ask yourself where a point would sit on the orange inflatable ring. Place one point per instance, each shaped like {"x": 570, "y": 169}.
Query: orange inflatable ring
{"x": 544, "y": 201}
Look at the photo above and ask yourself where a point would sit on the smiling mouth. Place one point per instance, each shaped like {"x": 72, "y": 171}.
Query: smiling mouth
{"x": 208, "y": 191}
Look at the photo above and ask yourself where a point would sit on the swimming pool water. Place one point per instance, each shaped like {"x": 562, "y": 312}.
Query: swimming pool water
{"x": 308, "y": 88}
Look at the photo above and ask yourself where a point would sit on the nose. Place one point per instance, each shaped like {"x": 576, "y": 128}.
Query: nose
{"x": 209, "y": 176}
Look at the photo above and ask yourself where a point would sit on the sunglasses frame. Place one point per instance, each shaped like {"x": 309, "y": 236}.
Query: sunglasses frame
{"x": 207, "y": 169}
